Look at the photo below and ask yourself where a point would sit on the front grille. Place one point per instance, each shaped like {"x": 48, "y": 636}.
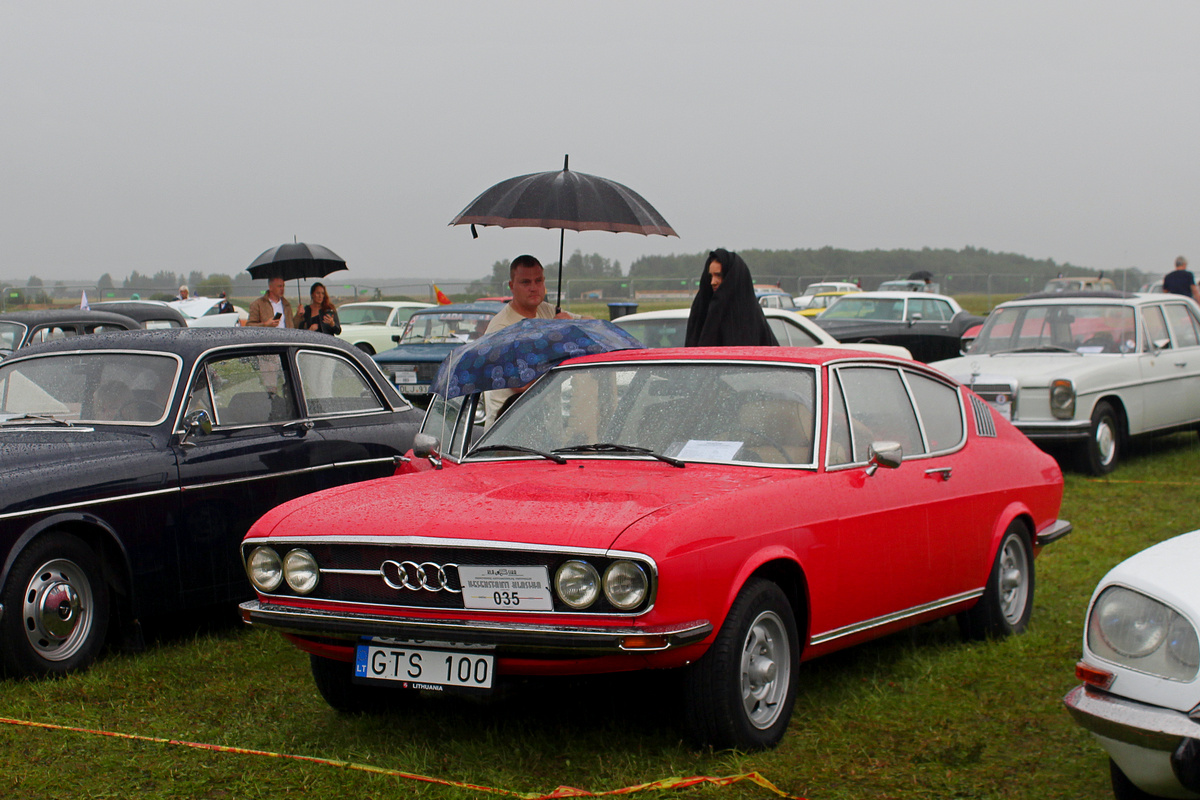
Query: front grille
{"x": 1000, "y": 396}
{"x": 355, "y": 573}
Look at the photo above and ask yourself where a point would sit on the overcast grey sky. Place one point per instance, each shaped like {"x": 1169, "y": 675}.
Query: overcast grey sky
{"x": 193, "y": 136}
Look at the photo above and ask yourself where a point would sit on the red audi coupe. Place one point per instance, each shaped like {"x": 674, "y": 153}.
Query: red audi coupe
{"x": 725, "y": 512}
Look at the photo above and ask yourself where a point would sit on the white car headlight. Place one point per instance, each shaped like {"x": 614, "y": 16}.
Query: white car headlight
{"x": 300, "y": 570}
{"x": 265, "y": 569}
{"x": 1062, "y": 398}
{"x": 625, "y": 584}
{"x": 577, "y": 584}
{"x": 1136, "y": 631}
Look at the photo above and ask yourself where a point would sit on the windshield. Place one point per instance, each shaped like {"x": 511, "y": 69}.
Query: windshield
{"x": 456, "y": 327}
{"x": 11, "y": 334}
{"x": 89, "y": 387}
{"x": 886, "y": 309}
{"x": 722, "y": 412}
{"x": 656, "y": 332}
{"x": 364, "y": 315}
{"x": 1081, "y": 328}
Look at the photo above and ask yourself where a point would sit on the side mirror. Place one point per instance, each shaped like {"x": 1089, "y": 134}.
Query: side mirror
{"x": 884, "y": 454}
{"x": 196, "y": 422}
{"x": 916, "y": 317}
{"x": 396, "y": 338}
{"x": 426, "y": 446}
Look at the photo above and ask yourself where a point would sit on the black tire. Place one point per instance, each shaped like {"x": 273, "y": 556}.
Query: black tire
{"x": 1125, "y": 789}
{"x": 366, "y": 348}
{"x": 741, "y": 692}
{"x": 333, "y": 679}
{"x": 56, "y": 610}
{"x": 1100, "y": 453}
{"x": 1007, "y": 601}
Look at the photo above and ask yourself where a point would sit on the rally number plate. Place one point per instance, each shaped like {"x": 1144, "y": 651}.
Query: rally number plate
{"x": 506, "y": 588}
{"x": 421, "y": 667}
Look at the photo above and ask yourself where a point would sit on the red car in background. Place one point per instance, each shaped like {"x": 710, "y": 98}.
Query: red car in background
{"x": 727, "y": 512}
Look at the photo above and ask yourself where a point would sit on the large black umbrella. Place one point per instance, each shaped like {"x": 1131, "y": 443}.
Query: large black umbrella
{"x": 563, "y": 200}
{"x": 295, "y": 261}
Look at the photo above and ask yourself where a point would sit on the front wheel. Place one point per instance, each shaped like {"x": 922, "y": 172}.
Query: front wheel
{"x": 1007, "y": 601}
{"x": 1099, "y": 454}
{"x": 740, "y": 693}
{"x": 334, "y": 682}
{"x": 55, "y": 608}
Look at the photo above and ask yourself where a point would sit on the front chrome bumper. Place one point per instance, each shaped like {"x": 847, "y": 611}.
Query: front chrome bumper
{"x": 1053, "y": 532}
{"x": 561, "y": 638}
{"x": 1146, "y": 727}
{"x": 1050, "y": 431}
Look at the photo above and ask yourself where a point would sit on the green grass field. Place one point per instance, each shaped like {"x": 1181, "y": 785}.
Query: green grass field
{"x": 916, "y": 715}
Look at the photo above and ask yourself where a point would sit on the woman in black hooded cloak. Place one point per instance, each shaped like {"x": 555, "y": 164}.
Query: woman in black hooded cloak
{"x": 725, "y": 311}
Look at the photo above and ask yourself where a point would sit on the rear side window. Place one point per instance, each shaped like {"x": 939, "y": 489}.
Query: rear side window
{"x": 332, "y": 385}
{"x": 940, "y": 409}
{"x": 1183, "y": 324}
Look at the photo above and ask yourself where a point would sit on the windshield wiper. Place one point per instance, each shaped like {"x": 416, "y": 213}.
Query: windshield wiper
{"x": 1044, "y": 348}
{"x": 516, "y": 448}
{"x": 41, "y": 418}
{"x": 608, "y": 447}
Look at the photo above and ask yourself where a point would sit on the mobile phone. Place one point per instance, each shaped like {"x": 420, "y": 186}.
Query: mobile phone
{"x": 278, "y": 314}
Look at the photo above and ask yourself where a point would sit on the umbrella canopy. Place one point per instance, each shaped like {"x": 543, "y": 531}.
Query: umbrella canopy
{"x": 295, "y": 261}
{"x": 515, "y": 355}
{"x": 564, "y": 200}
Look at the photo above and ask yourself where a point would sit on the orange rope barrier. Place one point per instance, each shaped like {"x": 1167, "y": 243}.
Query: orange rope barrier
{"x": 560, "y": 792}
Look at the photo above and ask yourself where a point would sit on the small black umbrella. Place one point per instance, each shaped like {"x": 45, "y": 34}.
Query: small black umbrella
{"x": 295, "y": 261}
{"x": 563, "y": 200}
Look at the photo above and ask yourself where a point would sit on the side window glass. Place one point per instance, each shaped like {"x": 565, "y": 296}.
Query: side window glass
{"x": 1182, "y": 324}
{"x": 440, "y": 421}
{"x": 880, "y": 410}
{"x": 1156, "y": 328}
{"x": 939, "y": 309}
{"x": 800, "y": 337}
{"x": 332, "y": 385}
{"x": 251, "y": 390}
{"x": 780, "y": 329}
{"x": 940, "y": 407}
{"x": 200, "y": 397}
{"x": 840, "y": 449}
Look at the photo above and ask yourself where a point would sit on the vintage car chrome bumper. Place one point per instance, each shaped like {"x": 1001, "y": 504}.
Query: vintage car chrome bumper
{"x": 581, "y": 639}
{"x": 1067, "y": 430}
{"x": 1172, "y": 737}
{"x": 1053, "y": 532}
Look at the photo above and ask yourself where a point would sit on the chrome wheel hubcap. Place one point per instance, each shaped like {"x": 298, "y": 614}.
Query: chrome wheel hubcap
{"x": 1014, "y": 580}
{"x": 57, "y": 610}
{"x": 766, "y": 670}
{"x": 1106, "y": 442}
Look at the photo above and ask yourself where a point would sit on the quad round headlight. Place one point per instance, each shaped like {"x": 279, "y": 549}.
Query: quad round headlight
{"x": 625, "y": 584}
{"x": 300, "y": 570}
{"x": 577, "y": 584}
{"x": 265, "y": 569}
{"x": 1182, "y": 643}
{"x": 1139, "y": 632}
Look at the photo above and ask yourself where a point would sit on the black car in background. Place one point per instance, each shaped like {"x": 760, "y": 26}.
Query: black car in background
{"x": 22, "y": 328}
{"x": 132, "y": 464}
{"x": 931, "y": 326}
{"x": 150, "y": 313}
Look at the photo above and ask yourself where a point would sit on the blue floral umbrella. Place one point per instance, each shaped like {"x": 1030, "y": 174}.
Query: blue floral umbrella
{"x": 517, "y": 354}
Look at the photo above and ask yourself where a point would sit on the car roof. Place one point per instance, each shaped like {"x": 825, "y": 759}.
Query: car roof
{"x": 142, "y": 310}
{"x": 898, "y": 295}
{"x": 1067, "y": 298}
{"x": 775, "y": 355}
{"x": 186, "y": 342}
{"x": 387, "y": 304}
{"x": 486, "y": 307}
{"x": 50, "y": 315}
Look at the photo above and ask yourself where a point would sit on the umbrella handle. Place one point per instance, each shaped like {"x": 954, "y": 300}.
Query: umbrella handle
{"x": 562, "y": 233}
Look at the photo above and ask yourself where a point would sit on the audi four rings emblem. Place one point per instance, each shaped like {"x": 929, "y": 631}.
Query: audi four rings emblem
{"x": 410, "y": 575}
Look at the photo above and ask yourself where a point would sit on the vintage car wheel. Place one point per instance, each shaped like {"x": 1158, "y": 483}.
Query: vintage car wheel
{"x": 56, "y": 608}
{"x": 1007, "y": 601}
{"x": 366, "y": 348}
{"x": 740, "y": 693}
{"x": 1098, "y": 456}
{"x": 1125, "y": 789}
{"x": 333, "y": 679}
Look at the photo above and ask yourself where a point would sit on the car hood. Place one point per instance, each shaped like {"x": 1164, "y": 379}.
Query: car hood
{"x": 585, "y": 503}
{"x": 417, "y": 352}
{"x": 1030, "y": 369}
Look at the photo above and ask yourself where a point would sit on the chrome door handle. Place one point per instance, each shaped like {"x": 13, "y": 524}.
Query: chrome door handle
{"x": 944, "y": 472}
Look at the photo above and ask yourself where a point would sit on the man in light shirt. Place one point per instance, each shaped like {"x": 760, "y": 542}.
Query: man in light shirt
{"x": 272, "y": 310}
{"x": 527, "y": 282}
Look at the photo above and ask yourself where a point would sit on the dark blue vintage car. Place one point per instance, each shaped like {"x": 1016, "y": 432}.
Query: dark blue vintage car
{"x": 22, "y": 328}
{"x": 431, "y": 335}
{"x": 132, "y": 464}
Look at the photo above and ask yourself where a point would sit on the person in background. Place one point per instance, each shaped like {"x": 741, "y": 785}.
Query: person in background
{"x": 725, "y": 311}
{"x": 1181, "y": 281}
{"x": 225, "y": 307}
{"x": 183, "y": 293}
{"x": 272, "y": 310}
{"x": 320, "y": 314}
{"x": 527, "y": 281}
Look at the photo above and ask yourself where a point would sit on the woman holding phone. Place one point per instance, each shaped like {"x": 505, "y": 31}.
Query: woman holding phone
{"x": 320, "y": 314}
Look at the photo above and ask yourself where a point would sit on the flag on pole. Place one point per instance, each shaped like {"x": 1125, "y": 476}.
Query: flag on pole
{"x": 83, "y": 303}
{"x": 442, "y": 299}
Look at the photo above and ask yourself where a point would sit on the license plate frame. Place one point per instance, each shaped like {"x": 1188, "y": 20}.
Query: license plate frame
{"x": 430, "y": 666}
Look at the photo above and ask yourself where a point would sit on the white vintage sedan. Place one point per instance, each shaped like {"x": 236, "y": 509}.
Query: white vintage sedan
{"x": 1140, "y": 694}
{"x": 1089, "y": 369}
{"x": 370, "y": 326}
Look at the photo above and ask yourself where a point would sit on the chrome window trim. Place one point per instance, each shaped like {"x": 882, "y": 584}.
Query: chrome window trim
{"x": 887, "y": 619}
{"x": 191, "y": 487}
{"x": 87, "y": 503}
{"x": 353, "y": 365}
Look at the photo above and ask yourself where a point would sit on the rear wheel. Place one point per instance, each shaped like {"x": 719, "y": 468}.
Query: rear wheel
{"x": 740, "y": 693}
{"x": 55, "y": 608}
{"x": 1099, "y": 454}
{"x": 1007, "y": 601}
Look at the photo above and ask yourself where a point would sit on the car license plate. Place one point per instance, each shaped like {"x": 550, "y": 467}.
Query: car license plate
{"x": 506, "y": 588}
{"x": 422, "y": 388}
{"x": 425, "y": 665}
{"x": 399, "y": 378}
